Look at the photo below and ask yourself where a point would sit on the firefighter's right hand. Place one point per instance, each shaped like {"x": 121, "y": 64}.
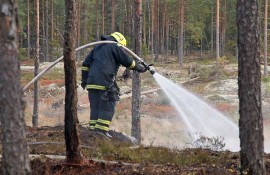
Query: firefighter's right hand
{"x": 83, "y": 84}
{"x": 140, "y": 68}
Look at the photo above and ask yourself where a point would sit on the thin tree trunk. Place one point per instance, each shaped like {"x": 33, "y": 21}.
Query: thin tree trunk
{"x": 149, "y": 26}
{"x": 15, "y": 159}
{"x": 43, "y": 36}
{"x": 156, "y": 33}
{"x": 35, "y": 106}
{"x": 52, "y": 26}
{"x": 217, "y": 31}
{"x": 127, "y": 73}
{"x": 28, "y": 29}
{"x": 85, "y": 31}
{"x": 223, "y": 28}
{"x": 181, "y": 32}
{"x": 163, "y": 26}
{"x": 123, "y": 12}
{"x": 113, "y": 16}
{"x": 47, "y": 32}
{"x": 97, "y": 19}
{"x": 136, "y": 81}
{"x": 167, "y": 38}
{"x": 102, "y": 17}
{"x": 144, "y": 24}
{"x": 153, "y": 29}
{"x": 249, "y": 91}
{"x": 106, "y": 28}
{"x": 79, "y": 29}
{"x": 212, "y": 30}
{"x": 265, "y": 39}
{"x": 73, "y": 150}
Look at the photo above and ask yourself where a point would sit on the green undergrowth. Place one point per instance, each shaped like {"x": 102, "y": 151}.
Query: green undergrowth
{"x": 123, "y": 152}
{"x": 155, "y": 155}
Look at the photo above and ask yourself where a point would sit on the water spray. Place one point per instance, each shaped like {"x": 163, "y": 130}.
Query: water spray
{"x": 83, "y": 47}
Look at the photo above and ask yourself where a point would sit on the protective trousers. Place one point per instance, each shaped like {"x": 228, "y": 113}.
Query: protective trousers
{"x": 102, "y": 111}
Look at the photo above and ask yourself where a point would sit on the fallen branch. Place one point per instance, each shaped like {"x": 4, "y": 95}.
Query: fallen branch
{"x": 60, "y": 157}
{"x": 55, "y": 143}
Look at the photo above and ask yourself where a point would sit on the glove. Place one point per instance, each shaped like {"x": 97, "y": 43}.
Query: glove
{"x": 140, "y": 68}
{"x": 83, "y": 84}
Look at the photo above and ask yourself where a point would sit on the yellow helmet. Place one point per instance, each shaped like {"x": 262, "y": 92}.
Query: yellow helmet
{"x": 119, "y": 38}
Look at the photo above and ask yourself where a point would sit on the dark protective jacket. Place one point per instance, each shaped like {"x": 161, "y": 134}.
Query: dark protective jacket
{"x": 101, "y": 65}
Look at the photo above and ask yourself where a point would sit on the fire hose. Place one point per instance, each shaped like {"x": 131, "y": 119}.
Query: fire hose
{"x": 148, "y": 67}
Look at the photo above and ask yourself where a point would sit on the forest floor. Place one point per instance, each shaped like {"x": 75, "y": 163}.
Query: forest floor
{"x": 164, "y": 139}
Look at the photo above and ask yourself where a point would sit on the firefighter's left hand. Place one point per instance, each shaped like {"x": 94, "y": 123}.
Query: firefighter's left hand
{"x": 140, "y": 68}
{"x": 83, "y": 84}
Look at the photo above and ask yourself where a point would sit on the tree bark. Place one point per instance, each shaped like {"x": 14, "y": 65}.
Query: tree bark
{"x": 212, "y": 30}
{"x": 136, "y": 81}
{"x": 97, "y": 20}
{"x": 249, "y": 81}
{"x": 43, "y": 35}
{"x": 35, "y": 106}
{"x": 152, "y": 29}
{"x": 102, "y": 17}
{"x": 52, "y": 26}
{"x": 155, "y": 31}
{"x": 181, "y": 32}
{"x": 28, "y": 29}
{"x": 15, "y": 159}
{"x": 223, "y": 28}
{"x": 73, "y": 151}
{"x": 47, "y": 31}
{"x": 113, "y": 16}
{"x": 217, "y": 30}
{"x": 79, "y": 29}
{"x": 265, "y": 39}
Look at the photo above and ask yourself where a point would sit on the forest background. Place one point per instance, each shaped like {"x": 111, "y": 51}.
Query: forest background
{"x": 161, "y": 25}
{"x": 169, "y": 27}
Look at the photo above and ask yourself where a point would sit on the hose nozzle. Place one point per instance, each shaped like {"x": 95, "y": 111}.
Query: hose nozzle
{"x": 149, "y": 68}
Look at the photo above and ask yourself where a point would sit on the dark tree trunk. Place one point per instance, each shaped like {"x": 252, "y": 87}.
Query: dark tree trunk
{"x": 35, "y": 107}
{"x": 15, "y": 158}
{"x": 136, "y": 81}
{"x": 73, "y": 151}
{"x": 249, "y": 81}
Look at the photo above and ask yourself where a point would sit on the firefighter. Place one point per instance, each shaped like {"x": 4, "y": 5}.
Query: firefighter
{"x": 99, "y": 70}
